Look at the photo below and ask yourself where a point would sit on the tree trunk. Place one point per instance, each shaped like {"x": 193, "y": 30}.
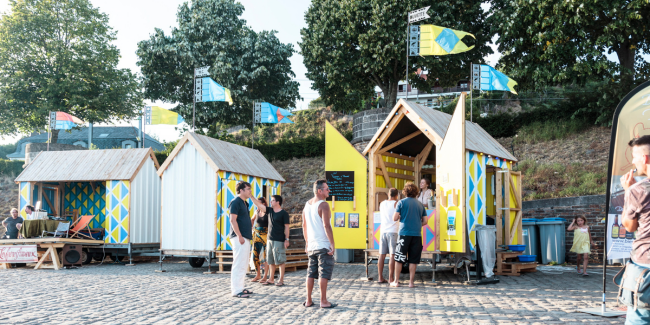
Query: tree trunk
{"x": 391, "y": 94}
{"x": 626, "y": 56}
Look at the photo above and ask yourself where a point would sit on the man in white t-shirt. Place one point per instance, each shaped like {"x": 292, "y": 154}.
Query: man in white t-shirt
{"x": 388, "y": 240}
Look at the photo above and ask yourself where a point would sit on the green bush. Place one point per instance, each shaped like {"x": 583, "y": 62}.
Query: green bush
{"x": 311, "y": 146}
{"x": 11, "y": 167}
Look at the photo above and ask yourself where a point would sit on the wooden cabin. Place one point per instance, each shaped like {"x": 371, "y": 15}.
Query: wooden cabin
{"x": 199, "y": 179}
{"x": 120, "y": 187}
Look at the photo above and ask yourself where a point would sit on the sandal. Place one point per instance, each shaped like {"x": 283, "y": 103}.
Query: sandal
{"x": 332, "y": 305}
{"x": 242, "y": 295}
{"x": 305, "y": 304}
{"x": 246, "y": 291}
{"x": 255, "y": 280}
{"x": 267, "y": 283}
{"x": 382, "y": 281}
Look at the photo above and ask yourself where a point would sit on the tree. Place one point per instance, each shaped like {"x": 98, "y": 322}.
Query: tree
{"x": 352, "y": 46}
{"x": 254, "y": 66}
{"x": 550, "y": 42}
{"x": 57, "y": 56}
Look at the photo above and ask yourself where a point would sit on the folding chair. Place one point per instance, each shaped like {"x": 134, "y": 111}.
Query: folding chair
{"x": 79, "y": 225}
{"x": 62, "y": 228}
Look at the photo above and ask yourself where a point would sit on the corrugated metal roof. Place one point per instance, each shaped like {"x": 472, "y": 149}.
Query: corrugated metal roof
{"x": 85, "y": 165}
{"x": 476, "y": 139}
{"x": 228, "y": 157}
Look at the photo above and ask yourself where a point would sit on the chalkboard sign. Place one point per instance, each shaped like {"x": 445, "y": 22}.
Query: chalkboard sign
{"x": 341, "y": 184}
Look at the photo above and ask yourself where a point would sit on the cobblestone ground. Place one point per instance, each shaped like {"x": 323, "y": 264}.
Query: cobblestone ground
{"x": 116, "y": 294}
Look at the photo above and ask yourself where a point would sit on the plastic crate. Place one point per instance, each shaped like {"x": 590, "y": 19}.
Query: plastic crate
{"x": 527, "y": 258}
{"x": 517, "y": 248}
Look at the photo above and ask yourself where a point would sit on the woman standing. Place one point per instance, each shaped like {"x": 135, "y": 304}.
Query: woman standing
{"x": 260, "y": 230}
{"x": 425, "y": 193}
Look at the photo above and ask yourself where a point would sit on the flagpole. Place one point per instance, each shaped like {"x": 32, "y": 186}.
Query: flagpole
{"x": 471, "y": 92}
{"x": 408, "y": 24}
{"x": 253, "y": 129}
{"x": 194, "y": 100}
{"x": 49, "y": 130}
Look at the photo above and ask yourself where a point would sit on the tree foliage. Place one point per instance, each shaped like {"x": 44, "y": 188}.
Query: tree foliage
{"x": 254, "y": 66}
{"x": 560, "y": 42}
{"x": 56, "y": 55}
{"x": 351, "y": 46}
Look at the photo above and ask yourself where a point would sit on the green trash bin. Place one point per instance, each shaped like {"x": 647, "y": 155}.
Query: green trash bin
{"x": 530, "y": 237}
{"x": 552, "y": 238}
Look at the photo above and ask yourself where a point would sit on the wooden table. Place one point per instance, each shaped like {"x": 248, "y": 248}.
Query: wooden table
{"x": 507, "y": 264}
{"x": 50, "y": 246}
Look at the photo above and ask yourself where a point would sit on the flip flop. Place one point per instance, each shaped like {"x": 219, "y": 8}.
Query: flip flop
{"x": 242, "y": 295}
{"x": 332, "y": 305}
{"x": 255, "y": 280}
{"x": 585, "y": 274}
{"x": 246, "y": 291}
{"x": 382, "y": 281}
{"x": 279, "y": 284}
{"x": 267, "y": 283}
{"x": 305, "y": 304}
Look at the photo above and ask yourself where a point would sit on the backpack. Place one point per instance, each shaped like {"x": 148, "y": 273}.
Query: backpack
{"x": 633, "y": 282}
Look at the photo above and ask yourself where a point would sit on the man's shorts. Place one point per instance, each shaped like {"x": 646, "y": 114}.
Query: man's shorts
{"x": 387, "y": 243}
{"x": 276, "y": 254}
{"x": 408, "y": 249}
{"x": 321, "y": 264}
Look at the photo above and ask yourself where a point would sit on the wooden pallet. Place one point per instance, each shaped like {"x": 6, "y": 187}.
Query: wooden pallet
{"x": 296, "y": 259}
{"x": 507, "y": 264}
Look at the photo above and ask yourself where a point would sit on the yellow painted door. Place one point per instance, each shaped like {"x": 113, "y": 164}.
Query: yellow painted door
{"x": 450, "y": 181}
{"x": 349, "y": 217}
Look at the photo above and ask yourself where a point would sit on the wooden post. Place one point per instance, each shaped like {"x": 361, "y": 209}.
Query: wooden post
{"x": 372, "y": 179}
{"x": 506, "y": 206}
{"x": 498, "y": 187}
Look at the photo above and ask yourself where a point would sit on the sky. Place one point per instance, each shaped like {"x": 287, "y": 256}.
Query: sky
{"x": 135, "y": 20}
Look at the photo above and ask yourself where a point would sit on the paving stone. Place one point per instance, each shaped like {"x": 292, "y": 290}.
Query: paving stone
{"x": 114, "y": 294}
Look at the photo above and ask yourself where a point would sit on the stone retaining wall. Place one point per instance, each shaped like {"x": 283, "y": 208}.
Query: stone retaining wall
{"x": 366, "y": 123}
{"x": 592, "y": 207}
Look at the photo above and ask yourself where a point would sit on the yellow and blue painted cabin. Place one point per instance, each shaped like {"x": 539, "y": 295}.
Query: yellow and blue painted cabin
{"x": 199, "y": 179}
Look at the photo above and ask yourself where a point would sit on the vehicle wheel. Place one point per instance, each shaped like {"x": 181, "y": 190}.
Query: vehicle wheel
{"x": 86, "y": 257}
{"x": 197, "y": 261}
{"x": 98, "y": 256}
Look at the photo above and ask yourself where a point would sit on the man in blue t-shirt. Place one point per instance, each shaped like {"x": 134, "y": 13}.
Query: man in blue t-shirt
{"x": 240, "y": 239}
{"x": 412, "y": 217}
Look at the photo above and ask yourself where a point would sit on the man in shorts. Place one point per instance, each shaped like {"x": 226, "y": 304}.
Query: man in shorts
{"x": 636, "y": 215}
{"x": 412, "y": 217}
{"x": 388, "y": 240}
{"x": 318, "y": 234}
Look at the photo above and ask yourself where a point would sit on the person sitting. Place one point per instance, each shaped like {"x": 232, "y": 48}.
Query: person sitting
{"x": 13, "y": 224}
{"x": 29, "y": 210}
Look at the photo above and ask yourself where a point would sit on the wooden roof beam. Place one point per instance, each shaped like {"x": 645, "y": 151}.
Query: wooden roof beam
{"x": 400, "y": 141}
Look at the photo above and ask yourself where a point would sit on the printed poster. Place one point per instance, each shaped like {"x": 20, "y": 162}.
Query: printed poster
{"x": 339, "y": 219}
{"x": 619, "y": 240}
{"x": 353, "y": 220}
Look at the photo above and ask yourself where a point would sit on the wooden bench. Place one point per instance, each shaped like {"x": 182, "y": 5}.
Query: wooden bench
{"x": 508, "y": 264}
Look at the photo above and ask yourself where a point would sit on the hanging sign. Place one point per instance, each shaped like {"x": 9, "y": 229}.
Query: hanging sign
{"x": 18, "y": 254}
{"x": 419, "y": 14}
{"x": 201, "y": 72}
{"x": 341, "y": 184}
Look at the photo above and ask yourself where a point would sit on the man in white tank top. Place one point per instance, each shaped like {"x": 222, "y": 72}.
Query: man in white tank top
{"x": 317, "y": 229}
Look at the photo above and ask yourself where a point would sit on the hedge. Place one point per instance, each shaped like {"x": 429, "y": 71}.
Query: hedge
{"x": 11, "y": 167}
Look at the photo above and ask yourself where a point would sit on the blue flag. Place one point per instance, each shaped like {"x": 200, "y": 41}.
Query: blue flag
{"x": 274, "y": 114}
{"x": 491, "y": 79}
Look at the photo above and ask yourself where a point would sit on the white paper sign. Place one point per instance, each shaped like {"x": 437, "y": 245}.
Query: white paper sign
{"x": 18, "y": 254}
{"x": 201, "y": 72}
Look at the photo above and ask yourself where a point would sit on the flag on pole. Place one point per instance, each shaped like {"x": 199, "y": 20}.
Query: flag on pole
{"x": 65, "y": 121}
{"x": 159, "y": 115}
{"x": 211, "y": 91}
{"x": 436, "y": 40}
{"x": 491, "y": 79}
{"x": 274, "y": 114}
